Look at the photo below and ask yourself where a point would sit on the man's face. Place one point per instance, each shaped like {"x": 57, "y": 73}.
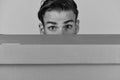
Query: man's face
{"x": 60, "y": 22}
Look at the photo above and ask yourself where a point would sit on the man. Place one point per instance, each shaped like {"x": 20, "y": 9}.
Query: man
{"x": 58, "y": 17}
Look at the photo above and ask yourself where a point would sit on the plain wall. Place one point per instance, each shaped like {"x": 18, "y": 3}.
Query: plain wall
{"x": 96, "y": 16}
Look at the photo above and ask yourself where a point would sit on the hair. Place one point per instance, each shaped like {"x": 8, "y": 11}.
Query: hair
{"x": 59, "y": 5}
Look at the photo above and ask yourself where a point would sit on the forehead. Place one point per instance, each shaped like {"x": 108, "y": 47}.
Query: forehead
{"x": 59, "y": 15}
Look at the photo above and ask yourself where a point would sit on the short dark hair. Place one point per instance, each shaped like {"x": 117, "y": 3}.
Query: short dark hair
{"x": 49, "y": 5}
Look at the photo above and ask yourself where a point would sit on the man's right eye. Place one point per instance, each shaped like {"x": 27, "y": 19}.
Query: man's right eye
{"x": 52, "y": 28}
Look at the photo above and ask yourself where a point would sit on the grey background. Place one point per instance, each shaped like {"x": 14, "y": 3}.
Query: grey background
{"x": 96, "y": 16}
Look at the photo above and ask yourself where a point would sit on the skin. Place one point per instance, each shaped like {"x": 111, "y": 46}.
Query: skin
{"x": 60, "y": 22}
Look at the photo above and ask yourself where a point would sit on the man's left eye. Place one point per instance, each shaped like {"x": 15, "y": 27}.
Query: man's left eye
{"x": 68, "y": 27}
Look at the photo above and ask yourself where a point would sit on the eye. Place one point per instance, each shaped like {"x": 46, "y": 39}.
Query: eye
{"x": 52, "y": 28}
{"x": 68, "y": 27}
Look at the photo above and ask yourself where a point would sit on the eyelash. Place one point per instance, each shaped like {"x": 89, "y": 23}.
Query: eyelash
{"x": 68, "y": 26}
{"x": 54, "y": 28}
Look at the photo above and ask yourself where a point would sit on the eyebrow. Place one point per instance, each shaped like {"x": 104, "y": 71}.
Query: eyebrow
{"x": 50, "y": 22}
{"x": 68, "y": 21}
